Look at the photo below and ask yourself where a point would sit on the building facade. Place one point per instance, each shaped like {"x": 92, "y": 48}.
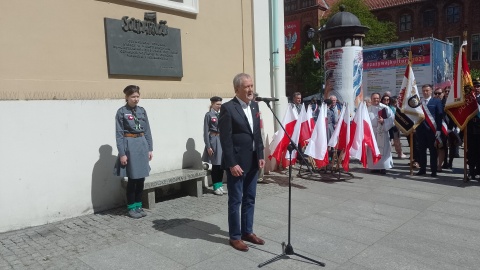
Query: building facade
{"x": 442, "y": 19}
{"x": 59, "y": 99}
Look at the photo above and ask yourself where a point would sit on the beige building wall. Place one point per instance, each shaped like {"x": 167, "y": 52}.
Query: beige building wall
{"x": 55, "y": 49}
{"x": 58, "y": 139}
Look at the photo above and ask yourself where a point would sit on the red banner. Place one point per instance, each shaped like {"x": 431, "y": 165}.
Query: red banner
{"x": 292, "y": 39}
{"x": 461, "y": 104}
{"x": 462, "y": 114}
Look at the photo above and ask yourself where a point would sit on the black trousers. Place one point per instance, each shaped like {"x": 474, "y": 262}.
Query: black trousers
{"x": 217, "y": 174}
{"x": 473, "y": 146}
{"x": 426, "y": 140}
{"x": 135, "y": 190}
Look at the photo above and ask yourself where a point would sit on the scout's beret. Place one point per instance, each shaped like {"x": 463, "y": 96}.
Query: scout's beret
{"x": 215, "y": 99}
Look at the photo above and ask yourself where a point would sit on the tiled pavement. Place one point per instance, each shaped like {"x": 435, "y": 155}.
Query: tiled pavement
{"x": 371, "y": 221}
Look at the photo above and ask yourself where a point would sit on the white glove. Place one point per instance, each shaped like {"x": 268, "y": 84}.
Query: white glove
{"x": 457, "y": 130}
{"x": 437, "y": 134}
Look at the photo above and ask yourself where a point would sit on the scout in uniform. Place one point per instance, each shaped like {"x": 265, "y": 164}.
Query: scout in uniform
{"x": 135, "y": 146}
{"x": 213, "y": 150}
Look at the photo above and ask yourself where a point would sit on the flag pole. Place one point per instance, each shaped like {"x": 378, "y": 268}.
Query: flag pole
{"x": 411, "y": 133}
{"x": 465, "y": 144}
{"x": 465, "y": 138}
{"x": 411, "y": 152}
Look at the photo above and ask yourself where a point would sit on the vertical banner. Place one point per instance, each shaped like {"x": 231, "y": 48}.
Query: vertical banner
{"x": 344, "y": 75}
{"x": 292, "y": 39}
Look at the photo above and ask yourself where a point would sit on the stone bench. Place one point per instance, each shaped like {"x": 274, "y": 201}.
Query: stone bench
{"x": 192, "y": 183}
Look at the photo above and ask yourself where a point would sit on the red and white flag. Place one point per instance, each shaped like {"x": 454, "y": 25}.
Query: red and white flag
{"x": 409, "y": 102}
{"x": 363, "y": 137}
{"x": 311, "y": 120}
{"x": 461, "y": 105}
{"x": 306, "y": 128}
{"x": 301, "y": 134}
{"x": 316, "y": 55}
{"x": 317, "y": 148}
{"x": 280, "y": 140}
{"x": 341, "y": 136}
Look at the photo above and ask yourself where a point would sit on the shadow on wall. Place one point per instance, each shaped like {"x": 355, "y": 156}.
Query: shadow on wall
{"x": 107, "y": 191}
{"x": 191, "y": 158}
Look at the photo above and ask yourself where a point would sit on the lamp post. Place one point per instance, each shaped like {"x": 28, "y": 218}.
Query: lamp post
{"x": 311, "y": 33}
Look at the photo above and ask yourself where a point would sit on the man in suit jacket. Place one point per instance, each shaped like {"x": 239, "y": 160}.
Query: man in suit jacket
{"x": 426, "y": 134}
{"x": 473, "y": 132}
{"x": 242, "y": 145}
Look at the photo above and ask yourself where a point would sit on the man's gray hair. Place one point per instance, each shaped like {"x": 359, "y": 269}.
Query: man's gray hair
{"x": 237, "y": 80}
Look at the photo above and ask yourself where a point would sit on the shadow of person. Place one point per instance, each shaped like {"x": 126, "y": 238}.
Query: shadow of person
{"x": 202, "y": 230}
{"x": 107, "y": 191}
{"x": 192, "y": 159}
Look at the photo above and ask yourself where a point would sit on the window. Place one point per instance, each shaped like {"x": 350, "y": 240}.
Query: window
{"x": 453, "y": 13}
{"x": 429, "y": 18}
{"x": 476, "y": 47}
{"x": 290, "y": 5}
{"x": 456, "y": 43}
{"x": 308, "y": 3}
{"x": 405, "y": 22}
{"x": 189, "y": 6}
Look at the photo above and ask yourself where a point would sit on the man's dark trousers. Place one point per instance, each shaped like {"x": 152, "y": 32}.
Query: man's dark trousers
{"x": 241, "y": 191}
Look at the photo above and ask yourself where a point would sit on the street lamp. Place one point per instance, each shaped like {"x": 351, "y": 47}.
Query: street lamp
{"x": 311, "y": 33}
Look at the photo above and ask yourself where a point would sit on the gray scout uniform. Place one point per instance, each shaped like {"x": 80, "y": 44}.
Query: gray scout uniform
{"x": 133, "y": 121}
{"x": 211, "y": 138}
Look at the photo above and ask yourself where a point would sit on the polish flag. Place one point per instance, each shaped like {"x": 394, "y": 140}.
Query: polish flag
{"x": 317, "y": 148}
{"x": 306, "y": 127}
{"x": 298, "y": 138}
{"x": 341, "y": 136}
{"x": 363, "y": 137}
{"x": 311, "y": 120}
{"x": 316, "y": 55}
{"x": 280, "y": 140}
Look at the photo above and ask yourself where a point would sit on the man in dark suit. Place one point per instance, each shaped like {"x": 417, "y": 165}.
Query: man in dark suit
{"x": 242, "y": 145}
{"x": 473, "y": 132}
{"x": 429, "y": 130}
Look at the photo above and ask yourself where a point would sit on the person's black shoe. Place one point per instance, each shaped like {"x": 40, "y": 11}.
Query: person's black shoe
{"x": 420, "y": 172}
{"x": 457, "y": 155}
{"x": 374, "y": 171}
{"x": 433, "y": 174}
{"x": 445, "y": 166}
{"x": 383, "y": 171}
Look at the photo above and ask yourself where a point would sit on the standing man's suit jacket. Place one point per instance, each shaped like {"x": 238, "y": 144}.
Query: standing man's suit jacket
{"x": 236, "y": 136}
{"x": 435, "y": 107}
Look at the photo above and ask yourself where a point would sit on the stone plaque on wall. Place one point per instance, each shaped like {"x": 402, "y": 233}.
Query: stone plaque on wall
{"x": 143, "y": 48}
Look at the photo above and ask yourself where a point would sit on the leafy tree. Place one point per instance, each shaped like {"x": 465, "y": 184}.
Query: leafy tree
{"x": 475, "y": 73}
{"x": 308, "y": 74}
{"x": 380, "y": 32}
{"x": 305, "y": 71}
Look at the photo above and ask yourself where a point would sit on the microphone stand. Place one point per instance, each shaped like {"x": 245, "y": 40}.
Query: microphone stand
{"x": 288, "y": 249}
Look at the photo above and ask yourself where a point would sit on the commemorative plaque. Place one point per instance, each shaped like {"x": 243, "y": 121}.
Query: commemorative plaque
{"x": 143, "y": 47}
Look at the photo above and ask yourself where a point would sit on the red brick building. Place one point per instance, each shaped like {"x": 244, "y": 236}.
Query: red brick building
{"x": 441, "y": 19}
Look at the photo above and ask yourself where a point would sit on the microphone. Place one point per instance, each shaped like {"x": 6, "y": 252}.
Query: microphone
{"x": 266, "y": 99}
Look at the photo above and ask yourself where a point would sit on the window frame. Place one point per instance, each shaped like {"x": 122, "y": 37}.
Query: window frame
{"x": 475, "y": 47}
{"x": 432, "y": 18}
{"x": 448, "y": 17}
{"x": 188, "y": 6}
{"x": 403, "y": 24}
